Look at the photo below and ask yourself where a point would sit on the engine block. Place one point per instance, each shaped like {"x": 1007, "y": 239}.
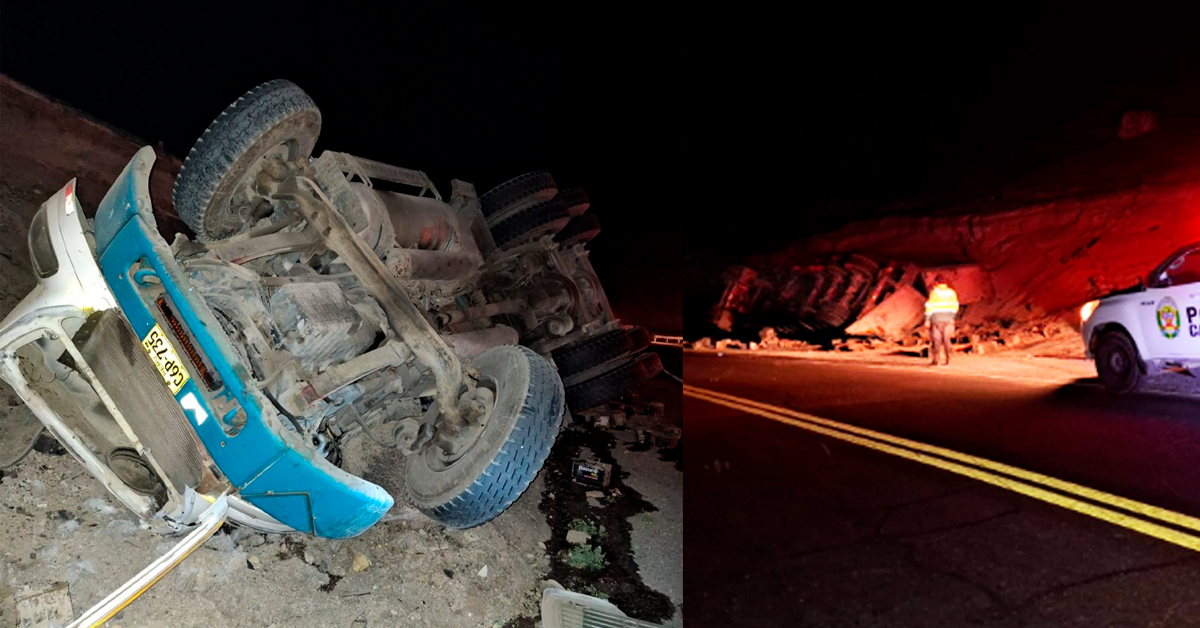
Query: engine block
{"x": 319, "y": 324}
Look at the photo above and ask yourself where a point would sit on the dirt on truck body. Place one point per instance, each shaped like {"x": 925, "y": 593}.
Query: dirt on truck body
{"x": 312, "y": 308}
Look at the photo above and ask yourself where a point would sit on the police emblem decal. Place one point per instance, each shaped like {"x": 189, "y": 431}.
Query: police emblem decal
{"x": 1168, "y": 317}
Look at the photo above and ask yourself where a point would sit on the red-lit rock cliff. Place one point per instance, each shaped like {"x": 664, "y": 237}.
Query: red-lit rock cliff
{"x": 1051, "y": 240}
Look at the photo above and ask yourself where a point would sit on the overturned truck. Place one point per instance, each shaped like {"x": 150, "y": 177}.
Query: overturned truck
{"x": 838, "y": 293}
{"x": 221, "y": 377}
{"x": 845, "y": 293}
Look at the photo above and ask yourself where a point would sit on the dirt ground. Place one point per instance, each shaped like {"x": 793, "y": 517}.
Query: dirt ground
{"x": 57, "y": 523}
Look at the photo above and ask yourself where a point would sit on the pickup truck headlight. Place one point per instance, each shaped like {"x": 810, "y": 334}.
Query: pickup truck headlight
{"x": 1086, "y": 311}
{"x": 41, "y": 250}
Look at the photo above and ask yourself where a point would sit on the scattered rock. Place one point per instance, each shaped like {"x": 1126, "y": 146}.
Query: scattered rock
{"x": 255, "y": 562}
{"x": 100, "y": 505}
{"x": 122, "y": 528}
{"x": 240, "y": 534}
{"x": 221, "y": 542}
{"x": 308, "y": 557}
{"x": 254, "y": 540}
{"x": 594, "y": 503}
{"x": 49, "y": 607}
{"x": 67, "y": 528}
{"x": 361, "y": 563}
{"x": 274, "y": 538}
{"x": 577, "y": 537}
{"x": 483, "y": 572}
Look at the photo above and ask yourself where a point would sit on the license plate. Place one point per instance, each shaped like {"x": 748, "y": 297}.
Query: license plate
{"x": 165, "y": 358}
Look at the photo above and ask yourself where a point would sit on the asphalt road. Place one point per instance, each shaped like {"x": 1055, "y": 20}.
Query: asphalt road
{"x": 786, "y": 527}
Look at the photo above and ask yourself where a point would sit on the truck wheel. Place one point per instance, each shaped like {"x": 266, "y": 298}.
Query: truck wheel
{"x": 582, "y": 228}
{"x": 595, "y": 351}
{"x": 615, "y": 383}
{"x": 575, "y": 199}
{"x": 531, "y": 222}
{"x": 212, "y": 192}
{"x": 523, "y": 191}
{"x": 509, "y": 450}
{"x": 1118, "y": 363}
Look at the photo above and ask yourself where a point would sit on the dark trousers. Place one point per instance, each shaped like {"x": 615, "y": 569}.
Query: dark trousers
{"x": 941, "y": 332}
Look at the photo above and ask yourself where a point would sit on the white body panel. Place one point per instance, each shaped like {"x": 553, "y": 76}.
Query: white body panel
{"x": 1163, "y": 322}
{"x": 56, "y": 308}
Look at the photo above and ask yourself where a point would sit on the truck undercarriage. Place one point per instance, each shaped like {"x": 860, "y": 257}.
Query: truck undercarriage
{"x": 312, "y": 307}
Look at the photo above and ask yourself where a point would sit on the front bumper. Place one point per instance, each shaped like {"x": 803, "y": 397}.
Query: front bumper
{"x": 279, "y": 482}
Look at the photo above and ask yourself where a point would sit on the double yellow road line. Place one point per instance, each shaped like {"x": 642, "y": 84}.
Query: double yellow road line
{"x": 1137, "y": 516}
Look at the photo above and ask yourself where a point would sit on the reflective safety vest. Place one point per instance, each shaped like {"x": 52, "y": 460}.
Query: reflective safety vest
{"x": 942, "y": 299}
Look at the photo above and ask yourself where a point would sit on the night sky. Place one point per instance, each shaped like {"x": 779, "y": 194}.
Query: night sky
{"x": 734, "y": 131}
{"x": 828, "y": 113}
{"x": 476, "y": 94}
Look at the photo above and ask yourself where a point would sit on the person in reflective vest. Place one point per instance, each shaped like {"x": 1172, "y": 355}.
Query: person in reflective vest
{"x": 940, "y": 311}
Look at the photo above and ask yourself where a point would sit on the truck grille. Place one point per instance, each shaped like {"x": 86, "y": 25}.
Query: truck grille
{"x": 125, "y": 371}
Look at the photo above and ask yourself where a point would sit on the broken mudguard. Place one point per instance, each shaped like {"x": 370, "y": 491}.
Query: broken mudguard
{"x": 266, "y": 461}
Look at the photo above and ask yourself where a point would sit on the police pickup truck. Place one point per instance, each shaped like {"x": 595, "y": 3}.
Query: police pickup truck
{"x": 1149, "y": 328}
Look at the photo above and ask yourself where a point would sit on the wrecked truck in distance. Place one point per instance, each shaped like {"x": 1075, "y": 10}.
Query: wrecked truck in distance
{"x": 851, "y": 292}
{"x": 220, "y": 378}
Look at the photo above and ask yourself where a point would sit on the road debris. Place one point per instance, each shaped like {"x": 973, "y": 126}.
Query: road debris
{"x": 591, "y": 472}
{"x": 45, "y": 608}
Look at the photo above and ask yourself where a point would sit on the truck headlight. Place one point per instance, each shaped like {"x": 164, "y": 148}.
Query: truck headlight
{"x": 41, "y": 250}
{"x": 1086, "y": 311}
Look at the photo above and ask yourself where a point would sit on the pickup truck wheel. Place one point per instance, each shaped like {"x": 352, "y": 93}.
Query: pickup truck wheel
{"x": 509, "y": 450}
{"x": 1118, "y": 363}
{"x": 528, "y": 189}
{"x": 212, "y": 194}
{"x": 615, "y": 383}
{"x": 531, "y": 222}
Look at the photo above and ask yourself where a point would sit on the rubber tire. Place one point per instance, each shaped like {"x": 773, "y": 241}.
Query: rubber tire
{"x": 597, "y": 350}
{"x": 530, "y": 404}
{"x": 271, "y": 114}
{"x": 527, "y": 189}
{"x": 582, "y": 228}
{"x": 615, "y": 383}
{"x": 1117, "y": 343}
{"x": 540, "y": 219}
{"x": 575, "y": 199}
